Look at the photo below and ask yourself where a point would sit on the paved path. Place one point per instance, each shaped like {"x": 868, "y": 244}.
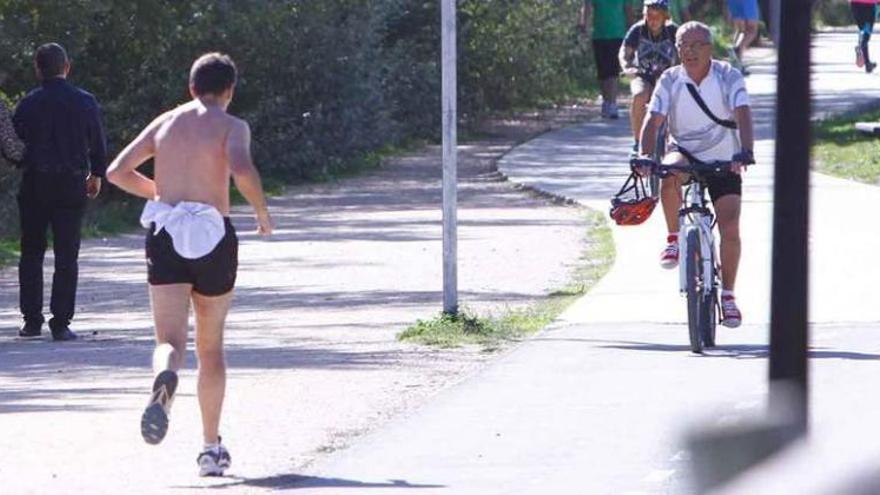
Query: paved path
{"x": 598, "y": 403}
{"x": 311, "y": 340}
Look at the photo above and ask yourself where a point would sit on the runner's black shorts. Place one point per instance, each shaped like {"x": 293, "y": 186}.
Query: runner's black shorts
{"x": 864, "y": 14}
{"x": 211, "y": 275}
{"x": 605, "y": 52}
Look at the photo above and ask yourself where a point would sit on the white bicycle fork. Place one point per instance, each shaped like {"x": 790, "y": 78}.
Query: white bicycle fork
{"x": 703, "y": 225}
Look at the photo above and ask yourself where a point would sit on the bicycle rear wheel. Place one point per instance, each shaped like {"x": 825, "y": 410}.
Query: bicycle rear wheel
{"x": 692, "y": 262}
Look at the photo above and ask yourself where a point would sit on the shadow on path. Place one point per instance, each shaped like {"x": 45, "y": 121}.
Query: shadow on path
{"x": 729, "y": 351}
{"x": 295, "y": 481}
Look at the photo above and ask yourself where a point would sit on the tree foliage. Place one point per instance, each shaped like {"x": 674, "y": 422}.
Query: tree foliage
{"x": 321, "y": 82}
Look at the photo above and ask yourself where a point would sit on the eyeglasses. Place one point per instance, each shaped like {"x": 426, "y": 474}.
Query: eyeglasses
{"x": 696, "y": 45}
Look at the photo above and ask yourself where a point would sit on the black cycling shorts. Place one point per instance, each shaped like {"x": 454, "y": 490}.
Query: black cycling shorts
{"x": 722, "y": 184}
{"x": 211, "y": 275}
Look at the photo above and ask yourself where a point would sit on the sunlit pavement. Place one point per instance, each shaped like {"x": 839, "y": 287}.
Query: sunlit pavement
{"x": 599, "y": 403}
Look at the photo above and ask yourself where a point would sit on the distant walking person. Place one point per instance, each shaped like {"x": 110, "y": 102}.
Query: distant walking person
{"x": 191, "y": 246}
{"x": 64, "y": 161}
{"x": 864, "y": 12}
{"x": 610, "y": 21}
{"x": 744, "y": 14}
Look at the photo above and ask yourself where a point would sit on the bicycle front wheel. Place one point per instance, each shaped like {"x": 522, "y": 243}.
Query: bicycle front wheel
{"x": 692, "y": 263}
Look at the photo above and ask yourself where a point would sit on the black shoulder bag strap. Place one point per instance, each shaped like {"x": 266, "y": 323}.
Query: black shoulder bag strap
{"x": 699, "y": 99}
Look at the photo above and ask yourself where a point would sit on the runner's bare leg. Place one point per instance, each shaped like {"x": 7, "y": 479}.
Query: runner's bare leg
{"x": 727, "y": 209}
{"x": 210, "y": 319}
{"x": 170, "y": 305}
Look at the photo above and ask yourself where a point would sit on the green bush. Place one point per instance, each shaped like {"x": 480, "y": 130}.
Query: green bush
{"x": 833, "y": 13}
{"x": 323, "y": 83}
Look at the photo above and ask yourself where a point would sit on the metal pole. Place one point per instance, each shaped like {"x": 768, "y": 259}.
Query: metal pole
{"x": 788, "y": 300}
{"x": 450, "y": 160}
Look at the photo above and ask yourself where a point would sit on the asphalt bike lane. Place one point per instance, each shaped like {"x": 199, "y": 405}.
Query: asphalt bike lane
{"x": 600, "y": 401}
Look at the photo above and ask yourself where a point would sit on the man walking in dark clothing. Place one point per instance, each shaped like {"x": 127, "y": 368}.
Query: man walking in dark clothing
{"x": 64, "y": 161}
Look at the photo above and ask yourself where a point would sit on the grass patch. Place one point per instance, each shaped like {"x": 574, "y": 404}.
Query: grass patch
{"x": 492, "y": 331}
{"x": 841, "y": 151}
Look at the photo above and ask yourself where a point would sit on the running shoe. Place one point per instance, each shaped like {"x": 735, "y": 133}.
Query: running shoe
{"x": 669, "y": 256}
{"x": 213, "y": 461}
{"x": 869, "y": 67}
{"x": 730, "y": 315}
{"x": 154, "y": 421}
{"x": 860, "y": 57}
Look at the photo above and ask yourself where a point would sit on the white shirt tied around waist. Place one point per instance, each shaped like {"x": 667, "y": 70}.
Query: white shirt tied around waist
{"x": 195, "y": 228}
{"x": 723, "y": 90}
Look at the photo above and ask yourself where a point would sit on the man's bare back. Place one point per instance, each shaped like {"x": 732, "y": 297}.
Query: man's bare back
{"x": 191, "y": 158}
{"x": 196, "y": 147}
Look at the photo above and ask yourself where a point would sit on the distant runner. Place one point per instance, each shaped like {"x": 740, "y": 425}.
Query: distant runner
{"x": 864, "y": 13}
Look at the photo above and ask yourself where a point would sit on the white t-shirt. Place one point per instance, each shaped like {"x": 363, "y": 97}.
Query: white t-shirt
{"x": 723, "y": 90}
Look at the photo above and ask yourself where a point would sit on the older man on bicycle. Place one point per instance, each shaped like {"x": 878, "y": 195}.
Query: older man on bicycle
{"x": 709, "y": 119}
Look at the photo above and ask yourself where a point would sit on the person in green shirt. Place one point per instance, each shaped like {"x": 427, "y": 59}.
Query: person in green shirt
{"x": 610, "y": 20}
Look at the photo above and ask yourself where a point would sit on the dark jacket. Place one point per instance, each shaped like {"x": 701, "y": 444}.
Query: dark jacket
{"x": 61, "y": 127}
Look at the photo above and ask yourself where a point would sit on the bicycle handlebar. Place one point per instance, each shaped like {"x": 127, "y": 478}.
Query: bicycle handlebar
{"x": 711, "y": 167}
{"x": 665, "y": 170}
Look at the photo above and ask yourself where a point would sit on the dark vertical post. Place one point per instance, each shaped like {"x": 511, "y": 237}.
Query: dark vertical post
{"x": 788, "y": 305}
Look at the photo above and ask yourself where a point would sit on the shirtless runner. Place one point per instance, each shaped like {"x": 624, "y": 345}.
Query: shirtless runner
{"x": 191, "y": 247}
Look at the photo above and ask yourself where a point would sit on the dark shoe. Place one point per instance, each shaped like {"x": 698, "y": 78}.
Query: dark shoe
{"x": 154, "y": 421}
{"x": 63, "y": 334}
{"x": 869, "y": 67}
{"x": 30, "y": 330}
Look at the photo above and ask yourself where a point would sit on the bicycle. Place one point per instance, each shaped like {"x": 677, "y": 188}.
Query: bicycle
{"x": 699, "y": 275}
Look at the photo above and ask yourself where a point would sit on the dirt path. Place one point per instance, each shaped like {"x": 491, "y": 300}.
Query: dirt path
{"x": 311, "y": 339}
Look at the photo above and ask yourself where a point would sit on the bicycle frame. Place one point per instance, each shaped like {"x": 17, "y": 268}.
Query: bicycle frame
{"x": 698, "y": 272}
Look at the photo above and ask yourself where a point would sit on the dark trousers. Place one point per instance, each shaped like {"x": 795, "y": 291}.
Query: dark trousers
{"x": 56, "y": 201}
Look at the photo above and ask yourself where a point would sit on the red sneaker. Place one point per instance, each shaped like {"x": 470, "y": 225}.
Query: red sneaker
{"x": 860, "y": 58}
{"x": 730, "y": 315}
{"x": 669, "y": 256}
